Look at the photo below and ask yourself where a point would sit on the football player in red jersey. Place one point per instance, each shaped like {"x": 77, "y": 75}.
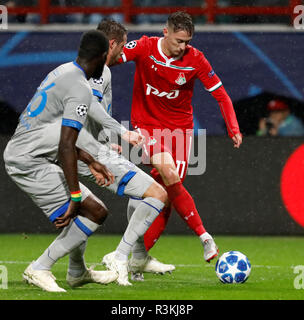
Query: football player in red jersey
{"x": 166, "y": 69}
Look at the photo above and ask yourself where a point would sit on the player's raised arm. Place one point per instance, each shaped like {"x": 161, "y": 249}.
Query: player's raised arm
{"x": 214, "y": 85}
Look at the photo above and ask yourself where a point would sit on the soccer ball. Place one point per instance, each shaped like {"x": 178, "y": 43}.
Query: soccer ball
{"x": 233, "y": 267}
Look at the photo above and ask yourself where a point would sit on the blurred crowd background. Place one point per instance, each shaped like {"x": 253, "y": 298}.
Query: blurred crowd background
{"x": 148, "y": 18}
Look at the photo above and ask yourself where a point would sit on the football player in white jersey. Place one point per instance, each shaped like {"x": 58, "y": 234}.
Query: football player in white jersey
{"x": 41, "y": 158}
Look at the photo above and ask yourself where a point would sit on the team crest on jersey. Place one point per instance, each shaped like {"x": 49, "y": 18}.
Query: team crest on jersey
{"x": 151, "y": 141}
{"x": 131, "y": 44}
{"x": 81, "y": 110}
{"x": 181, "y": 79}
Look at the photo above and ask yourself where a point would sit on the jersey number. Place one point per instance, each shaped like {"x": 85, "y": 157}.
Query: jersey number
{"x": 181, "y": 166}
{"x": 42, "y": 93}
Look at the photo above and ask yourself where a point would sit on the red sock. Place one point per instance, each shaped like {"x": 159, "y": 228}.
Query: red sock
{"x": 157, "y": 228}
{"x": 185, "y": 207}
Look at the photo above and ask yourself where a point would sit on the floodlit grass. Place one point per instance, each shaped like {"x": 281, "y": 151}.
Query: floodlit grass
{"x": 272, "y": 276}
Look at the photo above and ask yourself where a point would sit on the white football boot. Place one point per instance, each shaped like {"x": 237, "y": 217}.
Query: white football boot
{"x": 92, "y": 276}
{"x": 43, "y": 279}
{"x": 119, "y": 266}
{"x": 149, "y": 265}
{"x": 210, "y": 249}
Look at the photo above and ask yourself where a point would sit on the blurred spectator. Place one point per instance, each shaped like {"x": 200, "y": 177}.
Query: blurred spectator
{"x": 280, "y": 121}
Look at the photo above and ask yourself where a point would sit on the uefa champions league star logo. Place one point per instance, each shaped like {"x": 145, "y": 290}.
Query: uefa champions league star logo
{"x": 3, "y": 17}
{"x": 298, "y": 22}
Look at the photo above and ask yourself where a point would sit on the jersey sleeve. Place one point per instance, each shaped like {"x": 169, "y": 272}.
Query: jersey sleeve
{"x": 99, "y": 114}
{"x": 134, "y": 49}
{"x": 213, "y": 84}
{"x": 76, "y": 106}
{"x": 227, "y": 110}
{"x": 207, "y": 75}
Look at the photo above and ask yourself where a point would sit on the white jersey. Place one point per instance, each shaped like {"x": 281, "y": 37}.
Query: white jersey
{"x": 63, "y": 97}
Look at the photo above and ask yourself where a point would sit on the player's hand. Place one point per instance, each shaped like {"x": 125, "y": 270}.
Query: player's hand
{"x": 237, "y": 140}
{"x": 134, "y": 138}
{"x": 102, "y": 174}
{"x": 116, "y": 147}
{"x": 71, "y": 212}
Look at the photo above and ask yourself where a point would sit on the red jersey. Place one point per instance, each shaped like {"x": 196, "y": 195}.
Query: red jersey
{"x": 163, "y": 86}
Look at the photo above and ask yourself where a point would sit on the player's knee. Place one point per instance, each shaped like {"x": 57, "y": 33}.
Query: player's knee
{"x": 94, "y": 209}
{"x": 158, "y": 192}
{"x": 101, "y": 214}
{"x": 169, "y": 175}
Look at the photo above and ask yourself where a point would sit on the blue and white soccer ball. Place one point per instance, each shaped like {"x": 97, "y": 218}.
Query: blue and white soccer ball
{"x": 233, "y": 267}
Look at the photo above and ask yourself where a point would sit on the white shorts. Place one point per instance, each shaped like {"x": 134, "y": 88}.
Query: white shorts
{"x": 129, "y": 179}
{"x": 47, "y": 187}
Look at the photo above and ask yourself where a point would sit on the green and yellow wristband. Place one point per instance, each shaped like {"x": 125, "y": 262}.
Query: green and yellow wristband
{"x": 76, "y": 196}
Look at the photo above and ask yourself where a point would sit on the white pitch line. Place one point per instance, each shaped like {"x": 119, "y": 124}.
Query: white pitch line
{"x": 177, "y": 265}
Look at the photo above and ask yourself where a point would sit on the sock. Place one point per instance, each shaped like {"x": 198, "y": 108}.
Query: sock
{"x": 157, "y": 228}
{"x": 139, "y": 251}
{"x": 77, "y": 265}
{"x": 205, "y": 236}
{"x": 140, "y": 221}
{"x": 185, "y": 207}
{"x": 71, "y": 237}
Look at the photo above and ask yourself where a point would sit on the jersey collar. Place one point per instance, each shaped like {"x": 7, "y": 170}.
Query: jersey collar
{"x": 79, "y": 66}
{"x": 168, "y": 60}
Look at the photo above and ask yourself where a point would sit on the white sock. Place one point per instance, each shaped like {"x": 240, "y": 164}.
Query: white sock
{"x": 77, "y": 265}
{"x": 139, "y": 251}
{"x": 71, "y": 237}
{"x": 205, "y": 236}
{"x": 142, "y": 218}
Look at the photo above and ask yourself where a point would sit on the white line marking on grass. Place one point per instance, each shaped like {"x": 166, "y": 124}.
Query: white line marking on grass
{"x": 177, "y": 265}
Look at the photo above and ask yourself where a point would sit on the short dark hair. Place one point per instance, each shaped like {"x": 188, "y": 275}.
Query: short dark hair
{"x": 112, "y": 29}
{"x": 93, "y": 43}
{"x": 181, "y": 20}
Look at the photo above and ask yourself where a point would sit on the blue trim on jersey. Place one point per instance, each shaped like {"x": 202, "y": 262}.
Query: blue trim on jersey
{"x": 109, "y": 108}
{"x": 59, "y": 212}
{"x": 79, "y": 66}
{"x": 72, "y": 123}
{"x": 97, "y": 94}
{"x": 83, "y": 227}
{"x": 124, "y": 181}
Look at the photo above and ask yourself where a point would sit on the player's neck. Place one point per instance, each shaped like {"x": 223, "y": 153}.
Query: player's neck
{"x": 165, "y": 49}
{"x": 85, "y": 66}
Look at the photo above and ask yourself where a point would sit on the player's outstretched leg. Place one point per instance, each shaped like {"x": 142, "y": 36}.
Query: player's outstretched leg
{"x": 39, "y": 272}
{"x": 183, "y": 203}
{"x": 145, "y": 213}
{"x": 72, "y": 236}
{"x": 185, "y": 207}
{"x": 141, "y": 261}
{"x": 78, "y": 274}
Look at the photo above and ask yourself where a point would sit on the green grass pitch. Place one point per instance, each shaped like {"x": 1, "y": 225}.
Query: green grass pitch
{"x": 272, "y": 276}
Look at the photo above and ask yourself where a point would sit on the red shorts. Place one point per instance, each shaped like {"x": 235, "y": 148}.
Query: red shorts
{"x": 176, "y": 142}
